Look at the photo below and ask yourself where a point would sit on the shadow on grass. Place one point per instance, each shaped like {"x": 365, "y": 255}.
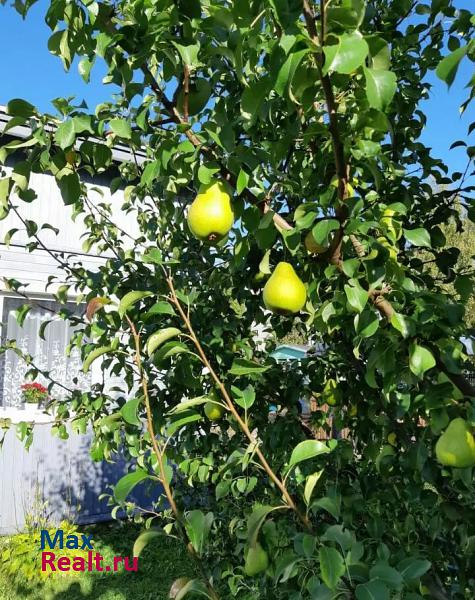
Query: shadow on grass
{"x": 161, "y": 562}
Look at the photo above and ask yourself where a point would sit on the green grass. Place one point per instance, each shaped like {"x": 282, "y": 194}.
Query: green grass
{"x": 163, "y": 561}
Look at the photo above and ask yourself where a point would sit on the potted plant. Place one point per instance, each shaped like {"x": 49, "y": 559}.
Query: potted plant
{"x": 34, "y": 394}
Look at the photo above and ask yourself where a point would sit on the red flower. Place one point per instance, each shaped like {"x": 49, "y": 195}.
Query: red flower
{"x": 34, "y": 386}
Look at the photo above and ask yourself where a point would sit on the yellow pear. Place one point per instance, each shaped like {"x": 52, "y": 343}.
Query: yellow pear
{"x": 331, "y": 393}
{"x": 312, "y": 245}
{"x": 257, "y": 560}
{"x": 456, "y": 446}
{"x": 210, "y": 216}
{"x": 284, "y": 293}
{"x": 353, "y": 410}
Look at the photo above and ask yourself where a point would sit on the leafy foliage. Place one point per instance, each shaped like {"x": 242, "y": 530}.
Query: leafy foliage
{"x": 312, "y": 114}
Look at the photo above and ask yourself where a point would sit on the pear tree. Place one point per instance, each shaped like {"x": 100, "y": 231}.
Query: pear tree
{"x": 285, "y": 187}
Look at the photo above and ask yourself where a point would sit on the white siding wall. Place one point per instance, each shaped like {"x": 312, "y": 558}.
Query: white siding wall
{"x": 34, "y": 268}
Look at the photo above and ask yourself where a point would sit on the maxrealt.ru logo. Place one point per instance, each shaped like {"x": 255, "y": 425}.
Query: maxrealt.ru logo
{"x": 92, "y": 561}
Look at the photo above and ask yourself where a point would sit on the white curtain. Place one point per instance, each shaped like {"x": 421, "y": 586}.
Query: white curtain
{"x": 48, "y": 354}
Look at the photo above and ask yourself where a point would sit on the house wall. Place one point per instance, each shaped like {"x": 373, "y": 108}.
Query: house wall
{"x": 34, "y": 268}
{"x": 57, "y": 472}
{"x": 57, "y": 479}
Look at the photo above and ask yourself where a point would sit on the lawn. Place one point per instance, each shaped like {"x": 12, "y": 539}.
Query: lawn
{"x": 159, "y": 565}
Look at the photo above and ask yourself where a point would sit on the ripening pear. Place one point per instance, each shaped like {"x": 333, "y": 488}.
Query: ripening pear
{"x": 331, "y": 393}
{"x": 213, "y": 411}
{"x": 284, "y": 293}
{"x": 312, "y": 245}
{"x": 257, "y": 560}
{"x": 210, "y": 216}
{"x": 456, "y": 446}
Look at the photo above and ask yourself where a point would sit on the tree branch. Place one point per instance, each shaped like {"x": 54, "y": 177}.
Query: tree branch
{"x": 232, "y": 409}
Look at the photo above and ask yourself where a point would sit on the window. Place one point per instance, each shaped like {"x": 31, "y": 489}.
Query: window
{"x": 48, "y": 354}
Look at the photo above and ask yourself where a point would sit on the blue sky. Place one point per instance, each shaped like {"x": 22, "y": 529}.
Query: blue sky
{"x": 27, "y": 70}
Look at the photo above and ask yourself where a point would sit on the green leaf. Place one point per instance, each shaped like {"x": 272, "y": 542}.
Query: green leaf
{"x": 322, "y": 230}
{"x": 84, "y": 68}
{"x": 70, "y": 188}
{"x": 161, "y": 308}
{"x": 388, "y": 574}
{"x": 285, "y": 11}
{"x": 5, "y": 186}
{"x": 198, "y": 525}
{"x": 65, "y": 134}
{"x": 193, "y": 587}
{"x": 179, "y": 420}
{"x": 21, "y": 174}
{"x": 129, "y": 411}
{"x": 171, "y": 349}
{"x": 187, "y": 404}
{"x": 256, "y": 520}
{"x": 242, "y": 181}
{"x": 349, "y": 15}
{"x": 244, "y": 398}
{"x": 306, "y": 450}
{"x": 20, "y": 108}
{"x": 160, "y": 337}
{"x": 188, "y": 54}
{"x": 241, "y": 366}
{"x": 402, "y": 324}
{"x": 91, "y": 357}
{"x": 206, "y": 174}
{"x": 287, "y": 71}
{"x": 448, "y": 66}
{"x": 145, "y": 538}
{"x": 380, "y": 87}
{"x": 150, "y": 172}
{"x": 356, "y": 295}
{"x": 310, "y": 484}
{"x": 122, "y": 128}
{"x": 418, "y": 237}
{"x": 153, "y": 256}
{"x": 252, "y": 99}
{"x": 130, "y": 299}
{"x": 379, "y": 52}
{"x": 413, "y": 568}
{"x": 372, "y": 590}
{"x": 125, "y": 485}
{"x": 332, "y": 566}
{"x": 347, "y": 55}
{"x": 420, "y": 360}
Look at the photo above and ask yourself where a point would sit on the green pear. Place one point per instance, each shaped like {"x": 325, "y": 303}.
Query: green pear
{"x": 257, "y": 560}
{"x": 312, "y": 246}
{"x": 213, "y": 411}
{"x": 284, "y": 292}
{"x": 210, "y": 216}
{"x": 456, "y": 446}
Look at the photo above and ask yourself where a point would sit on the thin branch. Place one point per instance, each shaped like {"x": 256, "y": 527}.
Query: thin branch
{"x": 159, "y": 454}
{"x": 232, "y": 409}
